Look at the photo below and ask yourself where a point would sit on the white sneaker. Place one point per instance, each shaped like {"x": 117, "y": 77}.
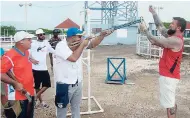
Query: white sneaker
{"x": 37, "y": 104}
{"x": 43, "y": 104}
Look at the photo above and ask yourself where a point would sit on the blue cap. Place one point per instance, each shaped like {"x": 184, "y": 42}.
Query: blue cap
{"x": 74, "y": 31}
{"x": 2, "y": 52}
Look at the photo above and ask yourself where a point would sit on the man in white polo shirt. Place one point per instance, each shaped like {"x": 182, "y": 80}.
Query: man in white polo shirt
{"x": 39, "y": 50}
{"x": 68, "y": 70}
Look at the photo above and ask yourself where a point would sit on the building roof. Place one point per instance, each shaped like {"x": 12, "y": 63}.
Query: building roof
{"x": 188, "y": 25}
{"x": 67, "y": 24}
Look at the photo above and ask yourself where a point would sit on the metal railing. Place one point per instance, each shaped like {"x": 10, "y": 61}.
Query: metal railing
{"x": 144, "y": 47}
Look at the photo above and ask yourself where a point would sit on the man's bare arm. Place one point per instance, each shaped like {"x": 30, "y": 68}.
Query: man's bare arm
{"x": 160, "y": 25}
{"x": 151, "y": 39}
{"x": 158, "y": 22}
{"x": 171, "y": 42}
{"x": 97, "y": 40}
{"x": 33, "y": 60}
{"x": 77, "y": 53}
{"x": 6, "y": 79}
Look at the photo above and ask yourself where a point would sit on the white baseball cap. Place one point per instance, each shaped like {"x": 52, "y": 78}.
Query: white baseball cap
{"x": 22, "y": 35}
{"x": 39, "y": 31}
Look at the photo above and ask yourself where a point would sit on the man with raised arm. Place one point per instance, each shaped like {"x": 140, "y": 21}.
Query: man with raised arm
{"x": 169, "y": 65}
{"x": 68, "y": 70}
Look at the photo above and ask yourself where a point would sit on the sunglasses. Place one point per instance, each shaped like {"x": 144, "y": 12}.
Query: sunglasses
{"x": 41, "y": 34}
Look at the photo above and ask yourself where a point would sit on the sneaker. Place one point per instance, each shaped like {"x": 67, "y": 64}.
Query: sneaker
{"x": 37, "y": 104}
{"x": 43, "y": 104}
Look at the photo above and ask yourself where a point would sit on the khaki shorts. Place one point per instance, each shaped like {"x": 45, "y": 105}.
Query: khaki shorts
{"x": 3, "y": 88}
{"x": 167, "y": 91}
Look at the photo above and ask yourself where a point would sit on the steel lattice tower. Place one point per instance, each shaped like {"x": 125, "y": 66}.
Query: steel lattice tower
{"x": 112, "y": 12}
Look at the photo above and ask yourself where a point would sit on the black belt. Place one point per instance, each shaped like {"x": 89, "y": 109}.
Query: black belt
{"x": 73, "y": 85}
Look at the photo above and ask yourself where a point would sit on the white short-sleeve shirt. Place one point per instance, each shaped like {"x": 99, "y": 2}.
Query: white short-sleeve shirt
{"x": 66, "y": 71}
{"x": 39, "y": 51}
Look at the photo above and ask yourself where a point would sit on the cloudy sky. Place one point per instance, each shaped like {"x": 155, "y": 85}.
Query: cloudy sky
{"x": 48, "y": 14}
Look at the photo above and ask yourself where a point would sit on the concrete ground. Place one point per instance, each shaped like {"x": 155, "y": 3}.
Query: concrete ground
{"x": 126, "y": 101}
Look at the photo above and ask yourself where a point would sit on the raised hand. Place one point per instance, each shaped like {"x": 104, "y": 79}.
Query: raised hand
{"x": 18, "y": 86}
{"x": 85, "y": 42}
{"x": 106, "y": 32}
{"x": 35, "y": 62}
{"x": 151, "y": 9}
{"x": 143, "y": 27}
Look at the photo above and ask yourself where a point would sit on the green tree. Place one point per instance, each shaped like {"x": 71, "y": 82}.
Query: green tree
{"x": 8, "y": 30}
{"x": 47, "y": 31}
{"x": 166, "y": 24}
{"x": 64, "y": 32}
{"x": 31, "y": 31}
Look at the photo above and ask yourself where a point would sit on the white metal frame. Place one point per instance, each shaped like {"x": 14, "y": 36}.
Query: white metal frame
{"x": 149, "y": 47}
{"x": 88, "y": 65}
{"x": 86, "y": 62}
{"x": 185, "y": 53}
{"x": 10, "y": 43}
{"x": 63, "y": 36}
{"x": 143, "y": 39}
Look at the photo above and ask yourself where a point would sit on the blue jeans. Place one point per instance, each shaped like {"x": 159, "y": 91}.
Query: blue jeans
{"x": 27, "y": 109}
{"x": 75, "y": 97}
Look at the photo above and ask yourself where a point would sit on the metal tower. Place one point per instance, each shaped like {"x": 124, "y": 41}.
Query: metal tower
{"x": 112, "y": 12}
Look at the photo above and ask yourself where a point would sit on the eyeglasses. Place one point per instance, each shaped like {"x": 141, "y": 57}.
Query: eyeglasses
{"x": 41, "y": 34}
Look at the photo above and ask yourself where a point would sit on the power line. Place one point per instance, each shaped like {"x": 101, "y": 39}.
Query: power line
{"x": 55, "y": 6}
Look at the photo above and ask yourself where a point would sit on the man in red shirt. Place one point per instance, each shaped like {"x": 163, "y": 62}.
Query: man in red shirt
{"x": 17, "y": 61}
{"x": 169, "y": 65}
